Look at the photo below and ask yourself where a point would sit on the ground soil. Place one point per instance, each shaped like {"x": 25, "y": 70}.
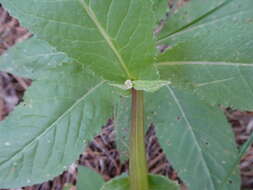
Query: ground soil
{"x": 101, "y": 154}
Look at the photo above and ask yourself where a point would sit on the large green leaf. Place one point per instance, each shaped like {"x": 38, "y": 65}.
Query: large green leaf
{"x": 46, "y": 133}
{"x": 114, "y": 37}
{"x": 88, "y": 179}
{"x": 224, "y": 35}
{"x": 196, "y": 138}
{"x": 155, "y": 183}
{"x": 213, "y": 57}
{"x": 183, "y": 16}
{"x": 31, "y": 58}
{"x": 229, "y": 84}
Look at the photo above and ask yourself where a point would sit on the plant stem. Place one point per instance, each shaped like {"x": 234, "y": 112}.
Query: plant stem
{"x": 138, "y": 171}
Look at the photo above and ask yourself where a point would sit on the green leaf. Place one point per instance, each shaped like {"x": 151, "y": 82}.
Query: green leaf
{"x": 160, "y": 182}
{"x": 115, "y": 38}
{"x": 229, "y": 84}
{"x": 47, "y": 132}
{"x": 160, "y": 7}
{"x": 31, "y": 58}
{"x": 191, "y": 12}
{"x": 122, "y": 123}
{"x": 118, "y": 183}
{"x": 223, "y": 35}
{"x": 155, "y": 183}
{"x": 213, "y": 57}
{"x": 88, "y": 179}
{"x": 196, "y": 138}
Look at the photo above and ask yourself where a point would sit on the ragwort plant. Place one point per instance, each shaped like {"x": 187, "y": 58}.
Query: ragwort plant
{"x": 91, "y": 60}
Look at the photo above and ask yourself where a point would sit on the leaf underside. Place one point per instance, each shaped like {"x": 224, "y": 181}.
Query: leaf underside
{"x": 212, "y": 57}
{"x": 182, "y": 16}
{"x": 61, "y": 110}
{"x": 155, "y": 183}
{"x": 31, "y": 58}
{"x": 115, "y": 38}
{"x": 229, "y": 84}
{"x": 200, "y": 148}
{"x": 88, "y": 179}
{"x": 209, "y": 54}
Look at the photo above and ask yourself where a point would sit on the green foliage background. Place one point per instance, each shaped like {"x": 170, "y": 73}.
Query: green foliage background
{"x": 79, "y": 46}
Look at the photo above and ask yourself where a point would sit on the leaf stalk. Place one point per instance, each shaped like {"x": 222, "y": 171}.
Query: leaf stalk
{"x": 138, "y": 171}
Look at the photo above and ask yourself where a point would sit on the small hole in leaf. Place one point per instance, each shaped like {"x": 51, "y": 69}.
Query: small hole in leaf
{"x": 230, "y": 181}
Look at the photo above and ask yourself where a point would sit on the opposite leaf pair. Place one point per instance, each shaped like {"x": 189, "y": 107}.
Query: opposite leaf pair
{"x": 208, "y": 60}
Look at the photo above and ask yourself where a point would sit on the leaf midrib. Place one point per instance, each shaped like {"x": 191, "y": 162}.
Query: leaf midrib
{"x": 107, "y": 37}
{"x": 192, "y": 132}
{"x": 53, "y": 124}
{"x": 205, "y": 15}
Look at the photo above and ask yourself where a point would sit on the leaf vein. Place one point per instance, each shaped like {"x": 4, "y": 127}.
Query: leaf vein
{"x": 192, "y": 132}
{"x": 107, "y": 38}
{"x": 52, "y": 126}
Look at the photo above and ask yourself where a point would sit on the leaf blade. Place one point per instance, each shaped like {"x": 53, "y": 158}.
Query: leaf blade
{"x": 88, "y": 179}
{"x": 155, "y": 183}
{"x": 193, "y": 142}
{"x": 124, "y": 37}
{"x": 51, "y": 125}
{"x": 106, "y": 36}
{"x": 215, "y": 38}
{"x": 215, "y": 82}
{"x": 31, "y": 58}
{"x": 183, "y": 16}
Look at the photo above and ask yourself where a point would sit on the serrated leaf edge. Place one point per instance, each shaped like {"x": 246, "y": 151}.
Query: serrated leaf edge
{"x": 53, "y": 124}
